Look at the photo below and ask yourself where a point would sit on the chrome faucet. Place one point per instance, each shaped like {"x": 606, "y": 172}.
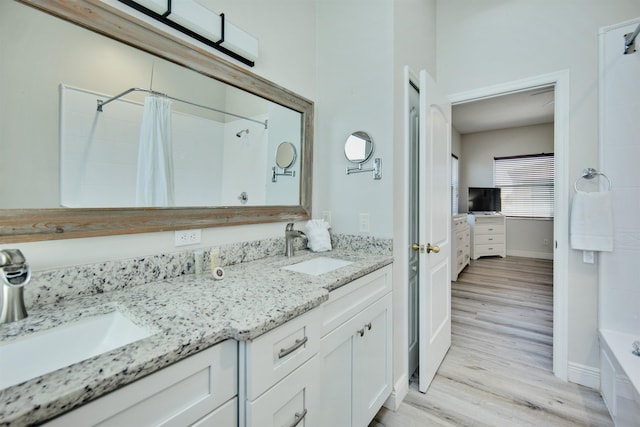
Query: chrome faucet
{"x": 14, "y": 274}
{"x": 289, "y": 235}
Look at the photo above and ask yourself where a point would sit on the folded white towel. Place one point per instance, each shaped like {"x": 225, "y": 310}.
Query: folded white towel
{"x": 318, "y": 238}
{"x": 592, "y": 221}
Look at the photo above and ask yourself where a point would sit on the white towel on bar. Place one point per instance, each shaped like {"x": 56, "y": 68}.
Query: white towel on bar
{"x": 592, "y": 221}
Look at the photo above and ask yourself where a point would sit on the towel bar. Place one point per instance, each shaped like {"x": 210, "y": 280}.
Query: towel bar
{"x": 591, "y": 173}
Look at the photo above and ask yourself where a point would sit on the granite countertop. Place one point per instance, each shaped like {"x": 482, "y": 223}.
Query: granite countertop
{"x": 189, "y": 313}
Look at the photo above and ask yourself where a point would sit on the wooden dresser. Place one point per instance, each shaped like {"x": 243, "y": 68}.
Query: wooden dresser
{"x": 488, "y": 235}
{"x": 459, "y": 245}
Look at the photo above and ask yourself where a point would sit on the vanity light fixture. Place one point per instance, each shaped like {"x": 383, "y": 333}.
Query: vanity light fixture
{"x": 196, "y": 21}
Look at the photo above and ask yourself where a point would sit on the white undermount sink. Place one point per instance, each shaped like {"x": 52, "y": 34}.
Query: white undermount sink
{"x": 64, "y": 345}
{"x": 317, "y": 266}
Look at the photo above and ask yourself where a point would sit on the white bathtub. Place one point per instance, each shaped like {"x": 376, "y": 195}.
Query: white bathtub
{"x": 620, "y": 377}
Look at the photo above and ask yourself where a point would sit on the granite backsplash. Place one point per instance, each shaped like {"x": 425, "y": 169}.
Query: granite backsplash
{"x": 56, "y": 285}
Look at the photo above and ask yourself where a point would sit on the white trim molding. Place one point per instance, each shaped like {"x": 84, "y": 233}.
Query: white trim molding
{"x": 584, "y": 375}
{"x": 399, "y": 392}
{"x": 560, "y": 81}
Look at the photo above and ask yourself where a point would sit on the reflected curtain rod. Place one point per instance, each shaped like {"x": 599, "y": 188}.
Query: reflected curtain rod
{"x": 102, "y": 103}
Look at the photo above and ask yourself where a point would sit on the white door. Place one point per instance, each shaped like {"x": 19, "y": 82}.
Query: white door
{"x": 434, "y": 230}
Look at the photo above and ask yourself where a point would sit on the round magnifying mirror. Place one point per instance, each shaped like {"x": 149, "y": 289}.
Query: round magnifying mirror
{"x": 359, "y": 147}
{"x": 285, "y": 155}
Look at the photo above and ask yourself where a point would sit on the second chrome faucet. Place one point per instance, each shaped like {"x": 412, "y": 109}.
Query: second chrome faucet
{"x": 289, "y": 237}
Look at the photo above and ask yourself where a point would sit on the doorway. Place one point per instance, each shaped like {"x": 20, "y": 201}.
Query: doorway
{"x": 560, "y": 83}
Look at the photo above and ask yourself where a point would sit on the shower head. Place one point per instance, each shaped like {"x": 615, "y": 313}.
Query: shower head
{"x": 239, "y": 134}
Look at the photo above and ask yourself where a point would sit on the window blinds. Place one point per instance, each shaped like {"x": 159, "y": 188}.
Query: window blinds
{"x": 526, "y": 184}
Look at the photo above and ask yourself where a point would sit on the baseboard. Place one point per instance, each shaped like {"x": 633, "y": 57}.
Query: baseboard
{"x": 399, "y": 392}
{"x": 584, "y": 375}
{"x": 530, "y": 254}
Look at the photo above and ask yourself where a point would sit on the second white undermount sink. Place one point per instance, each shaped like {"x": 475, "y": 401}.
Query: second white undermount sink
{"x": 317, "y": 266}
{"x": 43, "y": 352}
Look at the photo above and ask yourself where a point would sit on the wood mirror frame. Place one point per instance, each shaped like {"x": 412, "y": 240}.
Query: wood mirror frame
{"x": 28, "y": 225}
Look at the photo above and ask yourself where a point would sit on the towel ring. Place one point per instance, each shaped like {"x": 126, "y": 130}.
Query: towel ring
{"x": 591, "y": 173}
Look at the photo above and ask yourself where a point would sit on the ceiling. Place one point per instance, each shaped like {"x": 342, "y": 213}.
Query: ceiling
{"x": 530, "y": 107}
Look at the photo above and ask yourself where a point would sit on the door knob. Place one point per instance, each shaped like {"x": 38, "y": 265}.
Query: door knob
{"x": 435, "y": 248}
{"x": 417, "y": 247}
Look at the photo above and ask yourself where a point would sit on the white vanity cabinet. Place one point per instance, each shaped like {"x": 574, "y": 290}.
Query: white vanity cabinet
{"x": 200, "y": 390}
{"x": 355, "y": 351}
{"x": 279, "y": 375}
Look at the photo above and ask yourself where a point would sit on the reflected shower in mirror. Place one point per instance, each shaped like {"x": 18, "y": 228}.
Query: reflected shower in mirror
{"x": 79, "y": 157}
{"x": 84, "y": 186}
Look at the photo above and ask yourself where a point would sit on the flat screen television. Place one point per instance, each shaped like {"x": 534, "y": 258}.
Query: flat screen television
{"x": 484, "y": 199}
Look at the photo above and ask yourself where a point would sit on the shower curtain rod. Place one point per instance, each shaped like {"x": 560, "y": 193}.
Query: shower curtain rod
{"x": 629, "y": 39}
{"x": 102, "y": 103}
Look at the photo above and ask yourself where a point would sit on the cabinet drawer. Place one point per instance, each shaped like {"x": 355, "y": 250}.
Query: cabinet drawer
{"x": 488, "y": 229}
{"x": 294, "y": 398}
{"x": 224, "y": 416}
{"x": 274, "y": 355}
{"x": 489, "y": 239}
{"x": 459, "y": 221}
{"x": 178, "y": 395}
{"x": 481, "y": 250}
{"x": 353, "y": 297}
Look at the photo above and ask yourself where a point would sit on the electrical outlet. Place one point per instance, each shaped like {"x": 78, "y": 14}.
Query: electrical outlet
{"x": 364, "y": 222}
{"x": 187, "y": 237}
{"x": 545, "y": 242}
{"x": 326, "y": 215}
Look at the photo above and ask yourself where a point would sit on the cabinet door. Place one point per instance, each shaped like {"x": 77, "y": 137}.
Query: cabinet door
{"x": 371, "y": 361}
{"x": 336, "y": 353}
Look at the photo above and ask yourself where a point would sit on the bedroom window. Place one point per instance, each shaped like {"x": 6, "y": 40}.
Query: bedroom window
{"x": 526, "y": 184}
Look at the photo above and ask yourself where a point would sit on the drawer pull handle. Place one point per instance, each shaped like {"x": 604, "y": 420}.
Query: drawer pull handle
{"x": 298, "y": 417}
{"x": 368, "y": 326}
{"x": 287, "y": 351}
{"x": 360, "y": 332}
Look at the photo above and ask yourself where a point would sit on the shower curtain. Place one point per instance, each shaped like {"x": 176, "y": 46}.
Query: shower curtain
{"x": 154, "y": 185}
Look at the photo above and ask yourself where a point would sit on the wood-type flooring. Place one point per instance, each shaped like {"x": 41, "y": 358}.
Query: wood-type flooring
{"x": 498, "y": 371}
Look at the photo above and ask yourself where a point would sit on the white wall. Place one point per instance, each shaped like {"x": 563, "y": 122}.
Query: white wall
{"x": 355, "y": 93}
{"x": 485, "y": 43}
{"x": 525, "y": 237}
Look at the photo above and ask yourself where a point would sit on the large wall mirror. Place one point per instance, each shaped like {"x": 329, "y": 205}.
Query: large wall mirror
{"x": 69, "y": 170}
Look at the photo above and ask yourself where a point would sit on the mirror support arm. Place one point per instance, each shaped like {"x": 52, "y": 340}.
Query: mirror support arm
{"x": 376, "y": 169}
{"x": 285, "y": 172}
